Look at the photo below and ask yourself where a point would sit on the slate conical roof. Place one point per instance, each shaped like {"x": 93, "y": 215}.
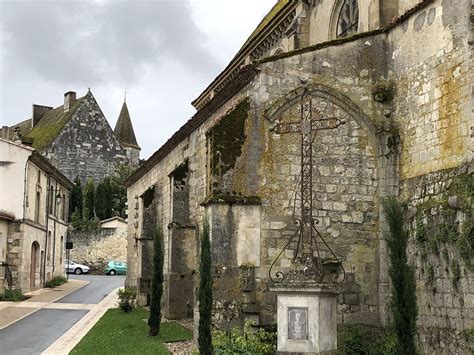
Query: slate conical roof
{"x": 124, "y": 129}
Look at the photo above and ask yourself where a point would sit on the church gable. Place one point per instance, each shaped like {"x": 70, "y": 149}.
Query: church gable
{"x": 86, "y": 146}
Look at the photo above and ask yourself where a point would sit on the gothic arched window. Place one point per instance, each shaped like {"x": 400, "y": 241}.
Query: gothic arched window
{"x": 348, "y": 20}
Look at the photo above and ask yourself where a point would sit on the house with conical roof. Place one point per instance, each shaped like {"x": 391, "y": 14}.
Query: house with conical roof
{"x": 77, "y": 138}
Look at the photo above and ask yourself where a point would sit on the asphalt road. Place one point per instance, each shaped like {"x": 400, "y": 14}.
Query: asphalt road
{"x": 35, "y": 333}
{"x": 99, "y": 287}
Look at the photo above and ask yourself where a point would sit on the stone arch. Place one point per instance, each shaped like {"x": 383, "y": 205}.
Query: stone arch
{"x": 335, "y": 97}
{"x": 385, "y": 156}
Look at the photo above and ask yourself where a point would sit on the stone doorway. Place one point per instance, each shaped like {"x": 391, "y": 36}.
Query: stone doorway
{"x": 34, "y": 264}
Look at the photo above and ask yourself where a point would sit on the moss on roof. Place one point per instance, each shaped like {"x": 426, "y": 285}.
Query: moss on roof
{"x": 50, "y": 125}
{"x": 22, "y": 127}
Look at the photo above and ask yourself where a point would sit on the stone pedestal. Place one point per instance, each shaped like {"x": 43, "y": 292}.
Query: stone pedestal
{"x": 307, "y": 319}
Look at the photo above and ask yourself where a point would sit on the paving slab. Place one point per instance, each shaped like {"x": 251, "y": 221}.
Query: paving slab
{"x": 16, "y": 311}
{"x": 73, "y": 336}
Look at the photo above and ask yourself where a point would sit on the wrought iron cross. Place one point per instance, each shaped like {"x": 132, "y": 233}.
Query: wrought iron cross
{"x": 307, "y": 245}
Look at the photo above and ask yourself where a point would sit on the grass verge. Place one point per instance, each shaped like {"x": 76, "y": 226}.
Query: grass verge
{"x": 118, "y": 332}
{"x": 55, "y": 282}
{"x": 12, "y": 296}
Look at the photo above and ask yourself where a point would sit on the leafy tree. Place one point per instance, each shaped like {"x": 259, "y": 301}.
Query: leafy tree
{"x": 88, "y": 200}
{"x": 402, "y": 275}
{"x": 205, "y": 294}
{"x": 76, "y": 220}
{"x": 156, "y": 284}
{"x": 76, "y": 198}
{"x": 118, "y": 189}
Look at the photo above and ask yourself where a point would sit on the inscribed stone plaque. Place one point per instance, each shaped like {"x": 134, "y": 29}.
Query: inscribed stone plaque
{"x": 298, "y": 323}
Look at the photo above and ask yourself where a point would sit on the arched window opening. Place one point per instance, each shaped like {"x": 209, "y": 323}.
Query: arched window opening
{"x": 348, "y": 20}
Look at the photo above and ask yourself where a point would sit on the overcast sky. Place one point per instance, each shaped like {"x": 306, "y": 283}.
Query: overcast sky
{"x": 164, "y": 52}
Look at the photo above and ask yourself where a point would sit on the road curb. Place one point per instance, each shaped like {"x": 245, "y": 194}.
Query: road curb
{"x": 33, "y": 310}
{"x": 73, "y": 336}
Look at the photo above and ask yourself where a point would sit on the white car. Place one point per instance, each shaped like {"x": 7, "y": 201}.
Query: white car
{"x": 73, "y": 268}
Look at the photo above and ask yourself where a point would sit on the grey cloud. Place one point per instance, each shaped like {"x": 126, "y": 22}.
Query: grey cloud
{"x": 73, "y": 43}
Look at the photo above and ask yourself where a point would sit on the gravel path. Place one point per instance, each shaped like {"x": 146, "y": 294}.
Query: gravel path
{"x": 182, "y": 347}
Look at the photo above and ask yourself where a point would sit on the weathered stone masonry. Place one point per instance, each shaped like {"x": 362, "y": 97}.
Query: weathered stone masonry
{"x": 407, "y": 109}
{"x": 87, "y": 146}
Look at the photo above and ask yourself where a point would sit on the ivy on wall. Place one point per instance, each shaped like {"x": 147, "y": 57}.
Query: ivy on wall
{"x": 226, "y": 139}
{"x": 447, "y": 220}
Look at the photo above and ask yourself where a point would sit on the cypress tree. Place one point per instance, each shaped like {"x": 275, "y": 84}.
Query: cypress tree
{"x": 76, "y": 198}
{"x": 101, "y": 201}
{"x": 402, "y": 275}
{"x": 88, "y": 200}
{"x": 156, "y": 284}
{"x": 205, "y": 294}
{"x": 108, "y": 197}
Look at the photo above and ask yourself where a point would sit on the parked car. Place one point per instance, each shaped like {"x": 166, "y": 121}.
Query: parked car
{"x": 72, "y": 267}
{"x": 116, "y": 268}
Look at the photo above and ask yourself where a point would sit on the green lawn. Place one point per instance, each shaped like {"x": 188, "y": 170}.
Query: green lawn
{"x": 118, "y": 332}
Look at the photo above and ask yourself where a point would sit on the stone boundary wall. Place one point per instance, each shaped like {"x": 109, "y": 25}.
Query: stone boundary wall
{"x": 96, "y": 249}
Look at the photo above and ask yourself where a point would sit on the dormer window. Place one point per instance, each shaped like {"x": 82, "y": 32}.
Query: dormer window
{"x": 348, "y": 20}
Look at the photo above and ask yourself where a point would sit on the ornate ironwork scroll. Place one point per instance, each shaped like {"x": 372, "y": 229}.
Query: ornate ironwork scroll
{"x": 313, "y": 259}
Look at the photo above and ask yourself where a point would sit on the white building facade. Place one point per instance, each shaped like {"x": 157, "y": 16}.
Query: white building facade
{"x": 34, "y": 200}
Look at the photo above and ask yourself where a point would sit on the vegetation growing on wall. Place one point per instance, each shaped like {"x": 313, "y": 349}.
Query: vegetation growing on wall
{"x": 447, "y": 220}
{"x": 402, "y": 276}
{"x": 226, "y": 140}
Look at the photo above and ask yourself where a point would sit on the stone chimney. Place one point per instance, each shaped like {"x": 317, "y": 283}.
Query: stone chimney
{"x": 69, "y": 99}
{"x": 5, "y": 132}
{"x": 38, "y": 112}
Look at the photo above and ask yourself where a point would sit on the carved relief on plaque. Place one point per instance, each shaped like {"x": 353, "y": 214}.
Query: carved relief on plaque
{"x": 298, "y": 323}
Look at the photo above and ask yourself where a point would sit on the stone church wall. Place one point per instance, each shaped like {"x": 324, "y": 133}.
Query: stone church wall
{"x": 405, "y": 127}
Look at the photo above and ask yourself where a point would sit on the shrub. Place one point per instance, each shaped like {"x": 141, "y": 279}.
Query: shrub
{"x": 205, "y": 294}
{"x": 156, "y": 284}
{"x": 246, "y": 341}
{"x": 55, "y": 282}
{"x": 127, "y": 297}
{"x": 364, "y": 339}
{"x": 12, "y": 296}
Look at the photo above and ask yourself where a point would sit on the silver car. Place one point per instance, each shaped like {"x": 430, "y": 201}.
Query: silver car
{"x": 74, "y": 268}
